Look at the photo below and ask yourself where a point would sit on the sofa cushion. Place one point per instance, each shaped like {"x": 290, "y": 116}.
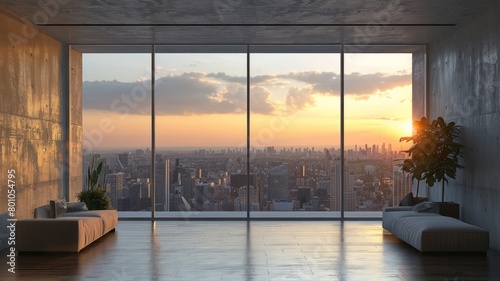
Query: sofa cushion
{"x": 57, "y": 208}
{"x": 93, "y": 229}
{"x": 408, "y": 200}
{"x": 390, "y": 219}
{"x": 422, "y": 206}
{"x": 109, "y": 217}
{"x": 442, "y": 234}
{"x": 76, "y": 206}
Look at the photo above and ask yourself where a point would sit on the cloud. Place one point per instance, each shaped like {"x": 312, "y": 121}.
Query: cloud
{"x": 117, "y": 96}
{"x": 190, "y": 93}
{"x": 231, "y": 79}
{"x": 299, "y": 98}
{"x": 197, "y": 93}
{"x": 263, "y": 80}
{"x": 327, "y": 83}
{"x": 366, "y": 84}
{"x": 260, "y": 101}
{"x": 355, "y": 83}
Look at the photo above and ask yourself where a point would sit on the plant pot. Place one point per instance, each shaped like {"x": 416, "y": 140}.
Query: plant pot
{"x": 449, "y": 209}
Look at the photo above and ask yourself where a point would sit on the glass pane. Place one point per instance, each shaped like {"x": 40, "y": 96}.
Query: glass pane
{"x": 378, "y": 107}
{"x": 295, "y": 132}
{"x": 117, "y": 127}
{"x": 200, "y": 132}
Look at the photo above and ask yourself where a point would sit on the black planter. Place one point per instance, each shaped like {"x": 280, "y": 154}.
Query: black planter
{"x": 449, "y": 209}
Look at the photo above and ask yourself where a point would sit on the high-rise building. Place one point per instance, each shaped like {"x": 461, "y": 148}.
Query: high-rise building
{"x": 323, "y": 191}
{"x": 134, "y": 192}
{"x": 238, "y": 181}
{"x": 401, "y": 183}
{"x": 240, "y": 203}
{"x": 335, "y": 183}
{"x": 202, "y": 195}
{"x": 177, "y": 172}
{"x": 349, "y": 192}
{"x": 114, "y": 187}
{"x": 123, "y": 204}
{"x": 162, "y": 182}
{"x": 123, "y": 158}
{"x": 304, "y": 195}
{"x": 277, "y": 188}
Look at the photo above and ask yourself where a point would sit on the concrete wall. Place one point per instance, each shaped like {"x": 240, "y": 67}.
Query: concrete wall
{"x": 76, "y": 126}
{"x": 33, "y": 103}
{"x": 419, "y": 83}
{"x": 464, "y": 86}
{"x": 419, "y": 97}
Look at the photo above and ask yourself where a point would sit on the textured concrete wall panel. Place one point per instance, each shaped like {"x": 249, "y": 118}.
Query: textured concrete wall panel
{"x": 464, "y": 84}
{"x": 419, "y": 77}
{"x": 76, "y": 170}
{"x": 30, "y": 116}
{"x": 76, "y": 126}
{"x": 76, "y": 87}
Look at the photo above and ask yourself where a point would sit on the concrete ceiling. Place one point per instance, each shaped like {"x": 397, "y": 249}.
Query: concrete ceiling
{"x": 359, "y": 22}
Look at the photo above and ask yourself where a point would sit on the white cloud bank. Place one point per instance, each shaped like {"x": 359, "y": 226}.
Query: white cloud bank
{"x": 197, "y": 93}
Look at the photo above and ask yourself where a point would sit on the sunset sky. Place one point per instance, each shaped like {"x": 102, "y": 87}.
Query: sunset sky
{"x": 201, "y": 100}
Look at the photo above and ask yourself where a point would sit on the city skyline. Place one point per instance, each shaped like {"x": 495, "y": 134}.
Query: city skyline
{"x": 281, "y": 179}
{"x": 291, "y": 179}
{"x": 242, "y": 149}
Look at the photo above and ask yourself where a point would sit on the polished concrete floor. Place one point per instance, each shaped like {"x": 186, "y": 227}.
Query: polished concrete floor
{"x": 257, "y": 250}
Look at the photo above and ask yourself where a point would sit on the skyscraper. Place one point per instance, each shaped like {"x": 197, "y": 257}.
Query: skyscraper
{"x": 401, "y": 183}
{"x": 335, "y": 183}
{"x": 162, "y": 182}
{"x": 277, "y": 188}
{"x": 114, "y": 187}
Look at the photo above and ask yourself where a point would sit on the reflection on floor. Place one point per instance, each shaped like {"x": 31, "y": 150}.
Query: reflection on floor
{"x": 257, "y": 250}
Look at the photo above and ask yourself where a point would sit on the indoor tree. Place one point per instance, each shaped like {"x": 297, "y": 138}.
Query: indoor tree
{"x": 434, "y": 155}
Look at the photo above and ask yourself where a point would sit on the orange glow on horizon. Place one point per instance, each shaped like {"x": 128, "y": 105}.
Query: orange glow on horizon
{"x": 230, "y": 131}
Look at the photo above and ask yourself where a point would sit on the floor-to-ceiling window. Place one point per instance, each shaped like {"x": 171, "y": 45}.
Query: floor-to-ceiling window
{"x": 200, "y": 112}
{"x": 295, "y": 129}
{"x": 283, "y": 105}
{"x": 378, "y": 112}
{"x": 116, "y": 98}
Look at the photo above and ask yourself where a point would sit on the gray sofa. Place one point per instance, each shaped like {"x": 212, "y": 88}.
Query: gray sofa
{"x": 69, "y": 231}
{"x": 431, "y": 232}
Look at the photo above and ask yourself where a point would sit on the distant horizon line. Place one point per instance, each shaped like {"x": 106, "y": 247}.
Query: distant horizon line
{"x": 218, "y": 148}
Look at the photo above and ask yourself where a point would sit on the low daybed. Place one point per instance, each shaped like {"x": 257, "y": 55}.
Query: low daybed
{"x": 431, "y": 232}
{"x": 54, "y": 229}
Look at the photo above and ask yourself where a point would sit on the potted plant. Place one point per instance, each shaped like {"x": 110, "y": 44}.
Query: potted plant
{"x": 415, "y": 165}
{"x": 95, "y": 196}
{"x": 435, "y": 153}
